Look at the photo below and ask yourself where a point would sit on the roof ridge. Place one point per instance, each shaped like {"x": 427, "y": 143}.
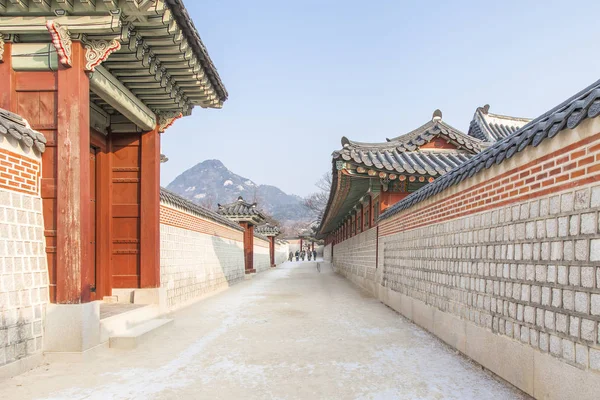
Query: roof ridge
{"x": 568, "y": 114}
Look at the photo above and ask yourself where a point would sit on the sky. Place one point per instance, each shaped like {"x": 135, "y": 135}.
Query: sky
{"x": 303, "y": 73}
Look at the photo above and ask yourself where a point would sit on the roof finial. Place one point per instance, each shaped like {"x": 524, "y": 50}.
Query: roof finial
{"x": 486, "y": 109}
{"x": 437, "y": 115}
{"x": 345, "y": 141}
{"x": 240, "y": 199}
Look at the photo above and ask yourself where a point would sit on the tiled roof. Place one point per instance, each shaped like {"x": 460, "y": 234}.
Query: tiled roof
{"x": 193, "y": 37}
{"x": 403, "y": 154}
{"x": 17, "y": 127}
{"x": 267, "y": 230}
{"x": 241, "y": 210}
{"x": 567, "y": 115}
{"x": 169, "y": 198}
{"x": 493, "y": 127}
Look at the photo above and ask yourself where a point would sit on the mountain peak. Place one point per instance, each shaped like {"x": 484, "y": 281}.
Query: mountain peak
{"x": 211, "y": 164}
{"x": 209, "y": 183}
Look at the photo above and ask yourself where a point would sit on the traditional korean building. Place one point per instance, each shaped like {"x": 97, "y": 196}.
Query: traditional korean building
{"x": 490, "y": 127}
{"x": 98, "y": 82}
{"x": 370, "y": 177}
{"x": 271, "y": 232}
{"x": 248, "y": 216}
{"x": 102, "y": 80}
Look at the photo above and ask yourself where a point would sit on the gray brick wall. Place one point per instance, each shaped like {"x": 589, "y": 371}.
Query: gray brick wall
{"x": 23, "y": 276}
{"x": 529, "y": 271}
{"x": 356, "y": 256}
{"x": 281, "y": 253}
{"x": 194, "y": 264}
{"x": 327, "y": 253}
{"x": 262, "y": 258}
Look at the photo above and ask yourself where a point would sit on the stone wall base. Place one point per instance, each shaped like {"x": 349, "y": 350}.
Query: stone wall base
{"x": 21, "y": 366}
{"x": 72, "y": 328}
{"x": 535, "y": 373}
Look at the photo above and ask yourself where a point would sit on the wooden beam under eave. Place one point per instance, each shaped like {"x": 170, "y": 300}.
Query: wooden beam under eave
{"x": 121, "y": 99}
{"x": 75, "y": 24}
{"x": 40, "y": 5}
{"x": 19, "y": 5}
{"x": 66, "y": 5}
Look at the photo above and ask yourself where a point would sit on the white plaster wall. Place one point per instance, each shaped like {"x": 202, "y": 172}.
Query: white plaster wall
{"x": 262, "y": 257}
{"x": 327, "y": 257}
{"x": 282, "y": 252}
{"x": 23, "y": 276}
{"x": 194, "y": 264}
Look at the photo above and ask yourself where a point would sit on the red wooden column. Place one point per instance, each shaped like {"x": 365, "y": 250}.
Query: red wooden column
{"x": 272, "y": 250}
{"x": 74, "y": 273}
{"x": 7, "y": 81}
{"x": 248, "y": 247}
{"x": 150, "y": 210}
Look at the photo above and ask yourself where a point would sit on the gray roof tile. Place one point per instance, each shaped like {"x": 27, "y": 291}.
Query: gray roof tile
{"x": 15, "y": 126}
{"x": 493, "y": 127}
{"x": 169, "y": 198}
{"x": 193, "y": 37}
{"x": 402, "y": 154}
{"x": 241, "y": 209}
{"x": 569, "y": 114}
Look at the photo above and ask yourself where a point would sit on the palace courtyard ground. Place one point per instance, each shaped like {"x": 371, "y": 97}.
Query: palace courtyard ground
{"x": 290, "y": 333}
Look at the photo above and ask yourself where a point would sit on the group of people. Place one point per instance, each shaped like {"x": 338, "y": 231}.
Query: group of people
{"x": 303, "y": 254}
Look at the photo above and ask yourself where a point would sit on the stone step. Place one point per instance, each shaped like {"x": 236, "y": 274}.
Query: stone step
{"x": 120, "y": 323}
{"x": 111, "y": 299}
{"x": 131, "y": 338}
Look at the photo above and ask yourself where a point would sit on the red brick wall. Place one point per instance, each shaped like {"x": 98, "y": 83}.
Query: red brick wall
{"x": 574, "y": 165}
{"x": 19, "y": 173}
{"x": 180, "y": 219}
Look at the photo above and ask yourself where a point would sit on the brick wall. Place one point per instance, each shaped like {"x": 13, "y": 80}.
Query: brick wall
{"x": 23, "y": 267}
{"x": 327, "y": 255}
{"x": 282, "y": 252}
{"x": 508, "y": 259}
{"x": 197, "y": 256}
{"x": 355, "y": 258}
{"x": 262, "y": 260}
{"x": 19, "y": 173}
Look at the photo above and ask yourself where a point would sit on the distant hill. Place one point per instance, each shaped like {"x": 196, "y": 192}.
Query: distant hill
{"x": 210, "y": 182}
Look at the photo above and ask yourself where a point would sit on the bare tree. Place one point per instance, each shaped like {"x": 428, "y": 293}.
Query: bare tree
{"x": 317, "y": 201}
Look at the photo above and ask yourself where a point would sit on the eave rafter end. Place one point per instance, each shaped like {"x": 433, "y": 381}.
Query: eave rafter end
{"x": 165, "y": 120}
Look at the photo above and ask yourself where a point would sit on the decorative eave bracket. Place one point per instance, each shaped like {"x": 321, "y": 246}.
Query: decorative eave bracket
{"x": 61, "y": 39}
{"x": 96, "y": 50}
{"x": 165, "y": 120}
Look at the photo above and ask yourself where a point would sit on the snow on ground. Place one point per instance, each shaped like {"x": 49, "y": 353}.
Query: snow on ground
{"x": 228, "y": 182}
{"x": 190, "y": 189}
{"x": 288, "y": 333}
{"x": 200, "y": 196}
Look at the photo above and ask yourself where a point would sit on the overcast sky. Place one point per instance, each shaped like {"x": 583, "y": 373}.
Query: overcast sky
{"x": 303, "y": 73}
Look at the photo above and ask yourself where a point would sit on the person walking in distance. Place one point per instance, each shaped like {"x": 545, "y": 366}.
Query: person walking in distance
{"x": 291, "y": 256}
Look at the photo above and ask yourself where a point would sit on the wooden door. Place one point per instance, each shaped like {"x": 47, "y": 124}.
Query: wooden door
{"x": 92, "y": 260}
{"x": 126, "y": 210}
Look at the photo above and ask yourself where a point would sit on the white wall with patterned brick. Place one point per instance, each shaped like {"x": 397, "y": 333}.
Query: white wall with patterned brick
{"x": 23, "y": 276}
{"x": 262, "y": 257}
{"x": 327, "y": 255}
{"x": 356, "y": 256}
{"x": 282, "y": 252}
{"x": 194, "y": 264}
{"x": 528, "y": 271}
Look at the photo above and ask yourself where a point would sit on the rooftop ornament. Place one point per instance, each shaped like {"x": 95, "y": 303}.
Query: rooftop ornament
{"x": 242, "y": 211}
